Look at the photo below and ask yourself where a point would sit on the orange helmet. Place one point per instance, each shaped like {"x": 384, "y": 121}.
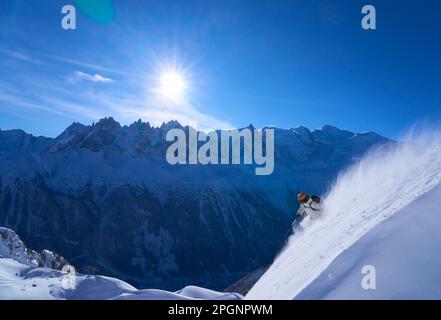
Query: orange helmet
{"x": 302, "y": 197}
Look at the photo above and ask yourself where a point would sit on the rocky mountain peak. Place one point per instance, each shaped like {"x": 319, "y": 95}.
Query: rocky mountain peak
{"x": 11, "y": 246}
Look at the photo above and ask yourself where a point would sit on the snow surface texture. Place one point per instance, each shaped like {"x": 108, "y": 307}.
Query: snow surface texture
{"x": 404, "y": 251}
{"x": 28, "y": 275}
{"x": 384, "y": 183}
{"x": 22, "y": 282}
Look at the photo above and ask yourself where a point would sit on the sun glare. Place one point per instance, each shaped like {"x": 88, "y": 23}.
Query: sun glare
{"x": 172, "y": 86}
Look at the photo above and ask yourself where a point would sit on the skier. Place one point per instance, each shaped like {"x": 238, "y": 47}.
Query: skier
{"x": 310, "y": 210}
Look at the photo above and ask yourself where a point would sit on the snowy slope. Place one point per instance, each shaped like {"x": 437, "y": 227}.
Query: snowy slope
{"x": 27, "y": 274}
{"x": 22, "y": 282}
{"x": 384, "y": 183}
{"x": 404, "y": 251}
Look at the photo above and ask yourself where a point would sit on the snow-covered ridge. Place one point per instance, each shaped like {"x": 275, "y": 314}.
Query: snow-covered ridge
{"x": 27, "y": 274}
{"x": 404, "y": 250}
{"x": 19, "y": 281}
{"x": 383, "y": 183}
{"x": 11, "y": 246}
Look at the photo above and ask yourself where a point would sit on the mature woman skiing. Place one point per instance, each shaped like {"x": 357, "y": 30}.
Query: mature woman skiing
{"x": 310, "y": 210}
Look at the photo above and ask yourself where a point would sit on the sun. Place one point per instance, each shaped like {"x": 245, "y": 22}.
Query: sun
{"x": 172, "y": 86}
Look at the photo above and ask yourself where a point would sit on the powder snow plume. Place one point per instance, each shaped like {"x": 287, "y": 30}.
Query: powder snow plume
{"x": 385, "y": 181}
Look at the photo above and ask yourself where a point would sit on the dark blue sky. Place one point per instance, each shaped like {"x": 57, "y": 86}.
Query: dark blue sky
{"x": 282, "y": 63}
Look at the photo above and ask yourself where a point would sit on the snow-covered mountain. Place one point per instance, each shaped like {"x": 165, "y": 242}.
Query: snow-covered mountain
{"x": 104, "y": 197}
{"x": 28, "y": 275}
{"x": 21, "y": 282}
{"x": 11, "y": 246}
{"x": 383, "y": 213}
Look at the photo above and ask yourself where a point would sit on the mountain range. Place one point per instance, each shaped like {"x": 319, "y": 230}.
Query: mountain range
{"x": 104, "y": 197}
